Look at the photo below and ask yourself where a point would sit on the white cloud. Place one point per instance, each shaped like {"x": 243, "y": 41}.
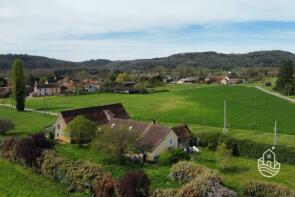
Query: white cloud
{"x": 40, "y": 25}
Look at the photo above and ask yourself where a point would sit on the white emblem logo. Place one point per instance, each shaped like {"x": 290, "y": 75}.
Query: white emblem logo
{"x": 267, "y": 164}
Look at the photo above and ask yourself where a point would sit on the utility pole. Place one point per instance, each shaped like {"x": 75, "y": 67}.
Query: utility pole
{"x": 224, "y": 116}
{"x": 275, "y": 134}
{"x": 12, "y": 99}
{"x": 44, "y": 105}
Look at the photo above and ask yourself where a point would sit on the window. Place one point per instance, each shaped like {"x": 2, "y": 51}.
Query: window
{"x": 58, "y": 126}
{"x": 57, "y": 134}
{"x": 170, "y": 142}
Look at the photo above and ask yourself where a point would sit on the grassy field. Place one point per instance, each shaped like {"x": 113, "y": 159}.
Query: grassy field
{"x": 248, "y": 108}
{"x": 25, "y": 122}
{"x": 158, "y": 174}
{"x": 197, "y": 106}
{"x": 241, "y": 169}
{"x": 18, "y": 181}
{"x": 238, "y": 172}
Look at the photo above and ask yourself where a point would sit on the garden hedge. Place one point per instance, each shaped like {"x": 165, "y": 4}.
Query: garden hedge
{"x": 245, "y": 148}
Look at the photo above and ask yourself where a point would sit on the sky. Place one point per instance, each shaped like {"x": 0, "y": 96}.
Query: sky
{"x": 79, "y": 30}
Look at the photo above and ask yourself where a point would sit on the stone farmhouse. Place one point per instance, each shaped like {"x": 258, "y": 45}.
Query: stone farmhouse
{"x": 152, "y": 139}
{"x": 46, "y": 89}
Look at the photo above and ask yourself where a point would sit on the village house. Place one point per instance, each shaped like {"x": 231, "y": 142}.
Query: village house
{"x": 184, "y": 135}
{"x": 46, "y": 89}
{"x": 187, "y": 80}
{"x": 230, "y": 80}
{"x": 152, "y": 140}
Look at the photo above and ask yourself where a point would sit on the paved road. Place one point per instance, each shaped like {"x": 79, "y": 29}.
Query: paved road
{"x": 276, "y": 94}
{"x": 32, "y": 110}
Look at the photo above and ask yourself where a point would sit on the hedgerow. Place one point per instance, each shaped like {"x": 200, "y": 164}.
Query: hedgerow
{"x": 77, "y": 175}
{"x": 245, "y": 148}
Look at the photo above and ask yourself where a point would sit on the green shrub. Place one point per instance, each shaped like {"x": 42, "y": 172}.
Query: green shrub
{"x": 261, "y": 189}
{"x": 223, "y": 156}
{"x": 185, "y": 171}
{"x": 173, "y": 156}
{"x": 104, "y": 186}
{"x": 5, "y": 126}
{"x": 245, "y": 148}
{"x": 208, "y": 139}
{"x": 81, "y": 130}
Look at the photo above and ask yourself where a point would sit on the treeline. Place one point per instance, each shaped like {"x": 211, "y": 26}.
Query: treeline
{"x": 202, "y": 59}
{"x": 286, "y": 80}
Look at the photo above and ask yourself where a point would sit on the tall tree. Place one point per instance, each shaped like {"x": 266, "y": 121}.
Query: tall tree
{"x": 19, "y": 84}
{"x": 285, "y": 81}
{"x": 117, "y": 141}
{"x": 122, "y": 77}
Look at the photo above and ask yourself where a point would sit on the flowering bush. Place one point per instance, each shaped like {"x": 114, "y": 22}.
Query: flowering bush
{"x": 185, "y": 171}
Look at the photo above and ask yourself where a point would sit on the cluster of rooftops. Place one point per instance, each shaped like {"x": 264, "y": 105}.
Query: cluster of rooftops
{"x": 152, "y": 136}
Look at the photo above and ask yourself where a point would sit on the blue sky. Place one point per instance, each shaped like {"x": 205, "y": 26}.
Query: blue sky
{"x": 79, "y": 30}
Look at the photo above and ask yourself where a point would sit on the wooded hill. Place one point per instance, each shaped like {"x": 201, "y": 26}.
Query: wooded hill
{"x": 204, "y": 59}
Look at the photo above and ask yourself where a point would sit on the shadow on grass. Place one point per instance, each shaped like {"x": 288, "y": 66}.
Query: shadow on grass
{"x": 14, "y": 134}
{"x": 52, "y": 108}
{"x": 235, "y": 169}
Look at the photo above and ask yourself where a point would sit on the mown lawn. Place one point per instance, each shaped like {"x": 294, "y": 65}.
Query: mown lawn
{"x": 158, "y": 174}
{"x": 25, "y": 122}
{"x": 17, "y": 181}
{"x": 248, "y": 108}
{"x": 240, "y": 170}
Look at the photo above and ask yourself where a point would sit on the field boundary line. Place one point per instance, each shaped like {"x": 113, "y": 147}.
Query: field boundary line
{"x": 31, "y": 110}
{"x": 275, "y": 94}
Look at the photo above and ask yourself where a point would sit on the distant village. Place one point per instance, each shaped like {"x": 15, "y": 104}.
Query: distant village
{"x": 123, "y": 84}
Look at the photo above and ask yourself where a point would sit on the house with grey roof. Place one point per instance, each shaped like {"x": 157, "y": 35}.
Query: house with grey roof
{"x": 152, "y": 138}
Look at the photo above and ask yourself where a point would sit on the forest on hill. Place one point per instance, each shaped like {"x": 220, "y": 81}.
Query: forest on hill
{"x": 197, "y": 59}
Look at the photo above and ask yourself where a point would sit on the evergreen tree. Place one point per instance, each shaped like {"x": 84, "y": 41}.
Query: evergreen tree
{"x": 285, "y": 81}
{"x": 19, "y": 84}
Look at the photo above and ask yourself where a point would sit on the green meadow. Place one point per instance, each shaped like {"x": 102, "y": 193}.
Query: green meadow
{"x": 15, "y": 180}
{"x": 247, "y": 107}
{"x": 251, "y": 115}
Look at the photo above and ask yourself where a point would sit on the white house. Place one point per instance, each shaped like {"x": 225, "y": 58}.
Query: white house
{"x": 46, "y": 89}
{"x": 187, "y": 80}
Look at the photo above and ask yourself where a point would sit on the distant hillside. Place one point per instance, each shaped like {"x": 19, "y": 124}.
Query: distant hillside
{"x": 210, "y": 60}
{"x": 204, "y": 59}
{"x": 36, "y": 62}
